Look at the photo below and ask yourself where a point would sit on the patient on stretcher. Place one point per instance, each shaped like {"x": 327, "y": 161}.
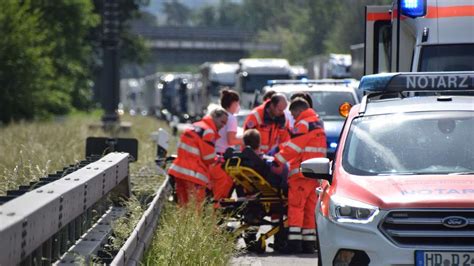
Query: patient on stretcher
{"x": 251, "y": 156}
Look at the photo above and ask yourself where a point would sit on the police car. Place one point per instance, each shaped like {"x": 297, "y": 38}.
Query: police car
{"x": 401, "y": 189}
{"x": 327, "y": 95}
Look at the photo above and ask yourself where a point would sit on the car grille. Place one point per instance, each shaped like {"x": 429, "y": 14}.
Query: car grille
{"x": 430, "y": 227}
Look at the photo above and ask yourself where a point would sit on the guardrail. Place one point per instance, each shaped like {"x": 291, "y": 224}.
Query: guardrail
{"x": 133, "y": 249}
{"x": 39, "y": 225}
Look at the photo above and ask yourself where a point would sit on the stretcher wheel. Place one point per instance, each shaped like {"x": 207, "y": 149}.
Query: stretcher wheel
{"x": 258, "y": 246}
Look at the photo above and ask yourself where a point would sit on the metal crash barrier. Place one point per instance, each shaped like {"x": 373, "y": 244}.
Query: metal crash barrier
{"x": 66, "y": 218}
{"x": 39, "y": 225}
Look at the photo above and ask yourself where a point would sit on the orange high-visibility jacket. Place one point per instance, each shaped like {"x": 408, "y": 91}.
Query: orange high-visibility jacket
{"x": 308, "y": 140}
{"x": 273, "y": 132}
{"x": 196, "y": 151}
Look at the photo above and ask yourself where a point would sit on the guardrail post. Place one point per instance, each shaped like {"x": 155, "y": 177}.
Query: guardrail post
{"x": 71, "y": 233}
{"x": 47, "y": 252}
{"x": 26, "y": 261}
{"x": 77, "y": 227}
{"x": 64, "y": 239}
{"x": 37, "y": 255}
{"x": 55, "y": 247}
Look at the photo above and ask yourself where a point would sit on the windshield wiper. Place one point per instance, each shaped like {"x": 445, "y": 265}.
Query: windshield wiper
{"x": 462, "y": 173}
{"x": 389, "y": 174}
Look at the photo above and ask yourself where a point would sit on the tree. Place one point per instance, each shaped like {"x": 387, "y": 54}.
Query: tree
{"x": 70, "y": 53}
{"x": 205, "y": 17}
{"x": 177, "y": 14}
{"x": 349, "y": 29}
{"x": 26, "y": 71}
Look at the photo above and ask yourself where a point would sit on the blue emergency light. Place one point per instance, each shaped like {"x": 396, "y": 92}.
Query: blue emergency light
{"x": 413, "y": 8}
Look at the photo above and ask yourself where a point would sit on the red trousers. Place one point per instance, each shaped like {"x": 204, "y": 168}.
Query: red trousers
{"x": 302, "y": 200}
{"x": 221, "y": 182}
{"x": 187, "y": 190}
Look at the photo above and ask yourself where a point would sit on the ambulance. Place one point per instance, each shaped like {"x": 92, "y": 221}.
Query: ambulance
{"x": 400, "y": 190}
{"x": 426, "y": 35}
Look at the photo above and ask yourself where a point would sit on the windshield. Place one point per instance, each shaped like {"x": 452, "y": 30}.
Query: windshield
{"x": 241, "y": 120}
{"x": 415, "y": 143}
{"x": 215, "y": 87}
{"x": 455, "y": 57}
{"x": 326, "y": 103}
{"x": 254, "y": 82}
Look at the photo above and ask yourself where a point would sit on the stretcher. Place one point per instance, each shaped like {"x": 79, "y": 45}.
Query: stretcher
{"x": 261, "y": 199}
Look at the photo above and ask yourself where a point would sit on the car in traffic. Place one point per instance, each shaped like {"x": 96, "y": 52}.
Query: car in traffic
{"x": 327, "y": 96}
{"x": 401, "y": 189}
{"x": 241, "y": 116}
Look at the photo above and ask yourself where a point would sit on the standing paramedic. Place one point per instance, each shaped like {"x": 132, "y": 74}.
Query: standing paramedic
{"x": 308, "y": 140}
{"x": 269, "y": 119}
{"x": 221, "y": 182}
{"x": 196, "y": 153}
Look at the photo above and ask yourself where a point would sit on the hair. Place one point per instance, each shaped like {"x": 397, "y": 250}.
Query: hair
{"x": 277, "y": 98}
{"x": 303, "y": 95}
{"x": 228, "y": 96}
{"x": 252, "y": 138}
{"x": 299, "y": 104}
{"x": 268, "y": 95}
{"x": 218, "y": 113}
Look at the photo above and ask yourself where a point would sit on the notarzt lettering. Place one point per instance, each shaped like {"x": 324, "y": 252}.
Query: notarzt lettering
{"x": 439, "y": 82}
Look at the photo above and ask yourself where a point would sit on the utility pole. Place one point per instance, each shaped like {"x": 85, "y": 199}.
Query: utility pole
{"x": 111, "y": 75}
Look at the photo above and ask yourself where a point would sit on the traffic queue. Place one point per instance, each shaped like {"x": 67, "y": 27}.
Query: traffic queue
{"x": 198, "y": 167}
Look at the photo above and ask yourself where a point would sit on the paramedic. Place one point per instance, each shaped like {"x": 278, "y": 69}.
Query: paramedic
{"x": 269, "y": 119}
{"x": 308, "y": 140}
{"x": 196, "y": 152}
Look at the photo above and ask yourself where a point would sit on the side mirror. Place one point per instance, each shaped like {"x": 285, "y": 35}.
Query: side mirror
{"x": 317, "y": 168}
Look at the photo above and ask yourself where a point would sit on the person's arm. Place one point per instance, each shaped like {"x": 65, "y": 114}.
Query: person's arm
{"x": 294, "y": 146}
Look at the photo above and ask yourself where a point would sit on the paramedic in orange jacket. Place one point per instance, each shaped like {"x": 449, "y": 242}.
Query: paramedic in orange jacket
{"x": 269, "y": 120}
{"x": 308, "y": 140}
{"x": 196, "y": 152}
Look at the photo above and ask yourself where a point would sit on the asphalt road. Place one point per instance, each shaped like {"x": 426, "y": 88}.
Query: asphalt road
{"x": 268, "y": 259}
{"x": 272, "y": 258}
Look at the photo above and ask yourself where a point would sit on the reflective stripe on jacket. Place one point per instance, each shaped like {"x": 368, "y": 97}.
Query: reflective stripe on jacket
{"x": 273, "y": 131}
{"x": 196, "y": 152}
{"x": 308, "y": 140}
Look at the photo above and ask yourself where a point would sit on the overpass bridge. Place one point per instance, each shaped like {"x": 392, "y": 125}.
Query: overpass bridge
{"x": 196, "y": 45}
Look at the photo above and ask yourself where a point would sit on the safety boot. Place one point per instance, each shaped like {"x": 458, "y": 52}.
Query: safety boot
{"x": 309, "y": 247}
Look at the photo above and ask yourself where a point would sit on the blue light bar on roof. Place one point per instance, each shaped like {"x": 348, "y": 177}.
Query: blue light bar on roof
{"x": 413, "y": 8}
{"x": 419, "y": 81}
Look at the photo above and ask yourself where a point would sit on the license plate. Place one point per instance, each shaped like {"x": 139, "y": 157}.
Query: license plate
{"x": 444, "y": 258}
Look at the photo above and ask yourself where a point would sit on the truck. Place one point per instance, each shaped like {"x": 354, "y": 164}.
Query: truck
{"x": 357, "y": 64}
{"x": 254, "y": 73}
{"x": 329, "y": 66}
{"x": 214, "y": 77}
{"x": 426, "y": 35}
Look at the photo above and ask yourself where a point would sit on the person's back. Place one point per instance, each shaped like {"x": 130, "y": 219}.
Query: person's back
{"x": 196, "y": 153}
{"x": 260, "y": 162}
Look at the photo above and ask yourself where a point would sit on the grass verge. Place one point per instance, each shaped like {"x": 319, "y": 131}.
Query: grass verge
{"x": 186, "y": 236}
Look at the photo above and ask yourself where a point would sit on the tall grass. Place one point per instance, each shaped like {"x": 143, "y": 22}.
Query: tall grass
{"x": 186, "y": 236}
{"x": 31, "y": 150}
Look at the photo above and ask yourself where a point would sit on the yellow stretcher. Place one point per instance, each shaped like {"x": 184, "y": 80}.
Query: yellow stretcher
{"x": 258, "y": 202}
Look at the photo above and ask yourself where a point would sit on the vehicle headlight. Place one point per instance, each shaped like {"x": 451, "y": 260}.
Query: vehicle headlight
{"x": 344, "y": 210}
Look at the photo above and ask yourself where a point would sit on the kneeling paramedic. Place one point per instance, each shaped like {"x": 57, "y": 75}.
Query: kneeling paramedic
{"x": 308, "y": 140}
{"x": 196, "y": 152}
